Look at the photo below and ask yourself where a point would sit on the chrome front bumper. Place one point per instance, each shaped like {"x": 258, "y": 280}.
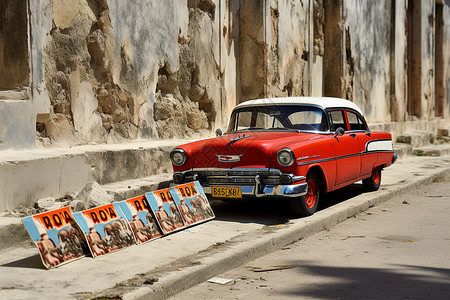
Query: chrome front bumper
{"x": 252, "y": 182}
{"x": 261, "y": 190}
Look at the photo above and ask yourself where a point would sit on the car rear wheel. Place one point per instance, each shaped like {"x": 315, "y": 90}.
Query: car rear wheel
{"x": 307, "y": 205}
{"x": 372, "y": 183}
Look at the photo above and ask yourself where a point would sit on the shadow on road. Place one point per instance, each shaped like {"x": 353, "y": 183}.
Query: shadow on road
{"x": 340, "y": 195}
{"x": 274, "y": 211}
{"x": 399, "y": 282}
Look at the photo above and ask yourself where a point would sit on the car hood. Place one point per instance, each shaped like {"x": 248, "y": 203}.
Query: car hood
{"x": 245, "y": 149}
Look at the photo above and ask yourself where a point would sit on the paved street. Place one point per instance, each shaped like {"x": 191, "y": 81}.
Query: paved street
{"x": 245, "y": 230}
{"x": 397, "y": 250}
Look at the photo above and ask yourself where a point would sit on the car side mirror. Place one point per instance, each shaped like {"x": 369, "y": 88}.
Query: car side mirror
{"x": 339, "y": 132}
{"x": 219, "y": 132}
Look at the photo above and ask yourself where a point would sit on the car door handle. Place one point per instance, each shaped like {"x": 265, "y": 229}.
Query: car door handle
{"x": 353, "y": 135}
{"x": 368, "y": 134}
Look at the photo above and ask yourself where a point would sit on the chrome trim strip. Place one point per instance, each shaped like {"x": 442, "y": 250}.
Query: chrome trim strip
{"x": 343, "y": 156}
{"x": 298, "y": 178}
{"x": 231, "y": 169}
{"x": 308, "y": 157}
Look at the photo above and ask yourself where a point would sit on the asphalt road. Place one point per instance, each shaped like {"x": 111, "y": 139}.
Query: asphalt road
{"x": 397, "y": 250}
{"x": 245, "y": 230}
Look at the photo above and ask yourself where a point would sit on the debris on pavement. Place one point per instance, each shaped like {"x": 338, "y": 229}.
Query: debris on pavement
{"x": 353, "y": 236}
{"x": 220, "y": 280}
{"x": 273, "y": 268}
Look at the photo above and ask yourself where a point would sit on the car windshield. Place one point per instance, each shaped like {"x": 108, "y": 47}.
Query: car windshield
{"x": 279, "y": 117}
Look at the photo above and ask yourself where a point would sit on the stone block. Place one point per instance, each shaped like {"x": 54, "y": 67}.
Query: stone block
{"x": 442, "y": 132}
{"x": 94, "y": 195}
{"x": 45, "y": 203}
{"x": 77, "y": 205}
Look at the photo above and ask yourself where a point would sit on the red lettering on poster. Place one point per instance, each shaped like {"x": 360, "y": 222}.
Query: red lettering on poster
{"x": 187, "y": 190}
{"x": 101, "y": 214}
{"x": 139, "y": 203}
{"x": 55, "y": 219}
{"x": 164, "y": 195}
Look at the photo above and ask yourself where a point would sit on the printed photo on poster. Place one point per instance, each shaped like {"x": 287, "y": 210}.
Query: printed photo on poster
{"x": 106, "y": 229}
{"x": 57, "y": 236}
{"x": 192, "y": 203}
{"x": 139, "y": 214}
{"x": 165, "y": 211}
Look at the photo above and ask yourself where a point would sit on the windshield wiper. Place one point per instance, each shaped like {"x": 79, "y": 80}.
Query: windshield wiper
{"x": 280, "y": 128}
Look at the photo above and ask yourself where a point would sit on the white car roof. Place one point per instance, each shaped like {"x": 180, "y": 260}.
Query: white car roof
{"x": 324, "y": 102}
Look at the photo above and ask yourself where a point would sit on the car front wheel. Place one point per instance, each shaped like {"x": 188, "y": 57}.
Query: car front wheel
{"x": 307, "y": 205}
{"x": 372, "y": 183}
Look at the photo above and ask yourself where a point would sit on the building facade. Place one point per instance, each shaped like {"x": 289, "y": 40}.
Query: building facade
{"x": 108, "y": 71}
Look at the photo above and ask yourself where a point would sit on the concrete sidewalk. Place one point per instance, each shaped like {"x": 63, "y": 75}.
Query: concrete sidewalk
{"x": 172, "y": 264}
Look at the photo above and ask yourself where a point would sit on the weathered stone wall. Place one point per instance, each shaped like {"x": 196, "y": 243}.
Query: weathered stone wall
{"x": 252, "y": 50}
{"x": 108, "y": 71}
{"x": 119, "y": 71}
{"x": 399, "y": 63}
{"x": 131, "y": 70}
{"x": 446, "y": 64}
{"x": 288, "y": 51}
{"x": 427, "y": 59}
{"x": 367, "y": 72}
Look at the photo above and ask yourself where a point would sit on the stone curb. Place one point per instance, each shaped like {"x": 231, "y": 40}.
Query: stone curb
{"x": 246, "y": 250}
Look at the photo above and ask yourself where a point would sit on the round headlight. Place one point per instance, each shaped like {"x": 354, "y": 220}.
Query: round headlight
{"x": 285, "y": 157}
{"x": 178, "y": 157}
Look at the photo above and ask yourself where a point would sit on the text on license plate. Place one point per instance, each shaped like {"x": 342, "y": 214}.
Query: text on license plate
{"x": 226, "y": 192}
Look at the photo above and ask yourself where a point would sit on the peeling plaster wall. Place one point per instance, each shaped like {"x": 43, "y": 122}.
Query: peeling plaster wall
{"x": 318, "y": 21}
{"x": 228, "y": 31}
{"x": 107, "y": 71}
{"x": 399, "y": 68}
{"x": 288, "y": 48}
{"x": 446, "y": 50}
{"x": 153, "y": 28}
{"x": 427, "y": 59}
{"x": 252, "y": 50}
{"x": 121, "y": 71}
{"x": 368, "y": 48}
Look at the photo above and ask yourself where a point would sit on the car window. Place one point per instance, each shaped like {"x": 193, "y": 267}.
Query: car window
{"x": 282, "y": 117}
{"x": 355, "y": 121}
{"x": 338, "y": 119}
{"x": 254, "y": 119}
{"x": 305, "y": 117}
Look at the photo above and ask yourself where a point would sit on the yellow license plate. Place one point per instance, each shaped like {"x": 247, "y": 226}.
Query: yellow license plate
{"x": 226, "y": 192}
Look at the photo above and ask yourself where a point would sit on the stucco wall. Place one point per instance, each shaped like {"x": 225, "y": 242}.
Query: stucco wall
{"x": 446, "y": 51}
{"x": 427, "y": 59}
{"x": 107, "y": 71}
{"x": 399, "y": 68}
{"x": 288, "y": 49}
{"x": 368, "y": 24}
{"x": 121, "y": 71}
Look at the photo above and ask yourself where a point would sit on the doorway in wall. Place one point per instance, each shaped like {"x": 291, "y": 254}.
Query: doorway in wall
{"x": 333, "y": 49}
{"x": 413, "y": 27}
{"x": 14, "y": 60}
{"x": 439, "y": 86}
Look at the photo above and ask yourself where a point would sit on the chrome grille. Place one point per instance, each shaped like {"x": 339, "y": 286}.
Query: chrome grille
{"x": 236, "y": 176}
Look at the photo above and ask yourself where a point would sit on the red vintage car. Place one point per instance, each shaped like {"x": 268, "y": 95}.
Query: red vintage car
{"x": 294, "y": 148}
